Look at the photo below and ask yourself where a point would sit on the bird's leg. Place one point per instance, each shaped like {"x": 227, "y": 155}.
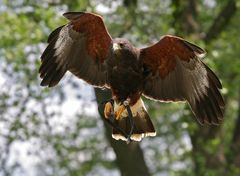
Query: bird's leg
{"x": 110, "y": 121}
{"x": 108, "y": 110}
{"x": 119, "y": 112}
{"x": 109, "y": 117}
{"x": 130, "y": 116}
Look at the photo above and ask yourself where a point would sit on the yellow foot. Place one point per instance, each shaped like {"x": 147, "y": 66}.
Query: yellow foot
{"x": 119, "y": 112}
{"x": 108, "y": 110}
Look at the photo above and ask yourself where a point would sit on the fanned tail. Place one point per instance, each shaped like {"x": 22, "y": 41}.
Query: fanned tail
{"x": 143, "y": 126}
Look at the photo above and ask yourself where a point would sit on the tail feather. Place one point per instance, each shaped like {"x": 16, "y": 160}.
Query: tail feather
{"x": 143, "y": 126}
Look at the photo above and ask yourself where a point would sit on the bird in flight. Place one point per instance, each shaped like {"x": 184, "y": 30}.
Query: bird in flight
{"x": 168, "y": 71}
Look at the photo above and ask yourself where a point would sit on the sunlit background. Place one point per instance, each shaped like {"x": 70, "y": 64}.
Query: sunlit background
{"x": 59, "y": 131}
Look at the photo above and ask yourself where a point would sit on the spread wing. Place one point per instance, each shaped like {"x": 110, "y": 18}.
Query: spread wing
{"x": 82, "y": 46}
{"x": 176, "y": 73}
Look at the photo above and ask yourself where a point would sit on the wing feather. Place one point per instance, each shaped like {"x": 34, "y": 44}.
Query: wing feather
{"x": 82, "y": 46}
{"x": 178, "y": 74}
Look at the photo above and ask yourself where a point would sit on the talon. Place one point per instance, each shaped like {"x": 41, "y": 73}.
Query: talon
{"x": 108, "y": 110}
{"x": 119, "y": 112}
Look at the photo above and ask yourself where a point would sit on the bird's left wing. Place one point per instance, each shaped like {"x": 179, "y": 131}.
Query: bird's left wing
{"x": 176, "y": 73}
{"x": 82, "y": 46}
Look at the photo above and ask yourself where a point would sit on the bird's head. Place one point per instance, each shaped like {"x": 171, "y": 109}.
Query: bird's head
{"x": 123, "y": 47}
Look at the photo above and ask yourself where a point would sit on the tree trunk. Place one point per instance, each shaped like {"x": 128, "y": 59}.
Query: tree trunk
{"x": 129, "y": 157}
{"x": 221, "y": 20}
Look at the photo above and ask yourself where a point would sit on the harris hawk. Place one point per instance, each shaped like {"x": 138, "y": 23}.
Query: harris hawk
{"x": 168, "y": 71}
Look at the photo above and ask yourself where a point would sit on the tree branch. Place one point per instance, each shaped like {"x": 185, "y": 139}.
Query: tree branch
{"x": 221, "y": 21}
{"x": 184, "y": 16}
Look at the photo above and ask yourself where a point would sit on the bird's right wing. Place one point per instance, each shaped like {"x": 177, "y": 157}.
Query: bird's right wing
{"x": 82, "y": 46}
{"x": 176, "y": 73}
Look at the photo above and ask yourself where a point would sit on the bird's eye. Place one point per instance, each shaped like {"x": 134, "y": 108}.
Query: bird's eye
{"x": 121, "y": 45}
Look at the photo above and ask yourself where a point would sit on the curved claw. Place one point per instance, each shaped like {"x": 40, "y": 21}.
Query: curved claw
{"x": 119, "y": 112}
{"x": 108, "y": 110}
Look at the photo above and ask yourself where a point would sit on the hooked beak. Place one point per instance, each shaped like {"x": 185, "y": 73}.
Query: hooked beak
{"x": 116, "y": 46}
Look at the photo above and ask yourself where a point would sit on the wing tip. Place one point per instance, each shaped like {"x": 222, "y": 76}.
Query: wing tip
{"x": 196, "y": 49}
{"x": 213, "y": 77}
{"x": 48, "y": 82}
{"x": 209, "y": 109}
{"x": 54, "y": 34}
{"x": 73, "y": 15}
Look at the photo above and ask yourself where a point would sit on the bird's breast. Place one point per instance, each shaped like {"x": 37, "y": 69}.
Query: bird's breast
{"x": 125, "y": 79}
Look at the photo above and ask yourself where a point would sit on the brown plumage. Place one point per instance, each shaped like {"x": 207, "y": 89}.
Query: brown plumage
{"x": 170, "y": 70}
